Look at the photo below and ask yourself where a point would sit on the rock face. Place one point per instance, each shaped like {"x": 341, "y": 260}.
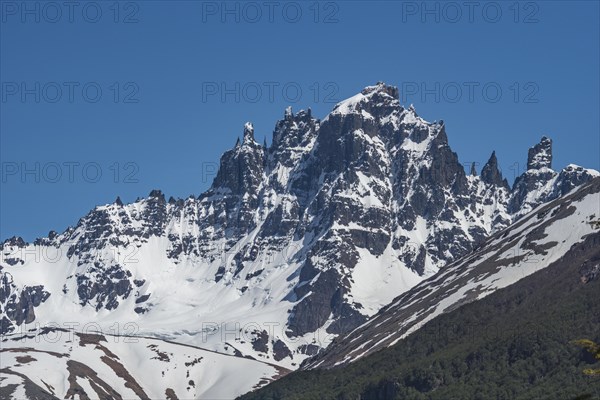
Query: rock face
{"x": 491, "y": 174}
{"x": 524, "y": 248}
{"x": 312, "y": 235}
{"x": 17, "y": 304}
{"x": 102, "y": 287}
{"x": 540, "y": 183}
{"x": 540, "y": 155}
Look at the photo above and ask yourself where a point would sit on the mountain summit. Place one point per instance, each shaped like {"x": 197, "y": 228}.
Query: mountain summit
{"x": 292, "y": 245}
{"x": 540, "y": 155}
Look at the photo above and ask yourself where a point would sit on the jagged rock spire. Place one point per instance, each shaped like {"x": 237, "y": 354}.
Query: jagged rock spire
{"x": 473, "y": 170}
{"x": 288, "y": 113}
{"x": 248, "y": 132}
{"x": 490, "y": 173}
{"x": 237, "y": 142}
{"x": 241, "y": 168}
{"x": 15, "y": 241}
{"x": 540, "y": 155}
{"x": 157, "y": 194}
{"x": 118, "y": 201}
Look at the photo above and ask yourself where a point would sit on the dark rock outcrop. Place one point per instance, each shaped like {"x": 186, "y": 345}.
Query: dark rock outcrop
{"x": 491, "y": 174}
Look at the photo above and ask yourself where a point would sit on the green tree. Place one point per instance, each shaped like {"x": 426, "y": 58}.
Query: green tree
{"x": 594, "y": 350}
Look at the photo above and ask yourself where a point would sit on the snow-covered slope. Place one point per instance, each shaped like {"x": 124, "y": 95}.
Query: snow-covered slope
{"x": 64, "y": 364}
{"x": 532, "y": 243}
{"x": 293, "y": 244}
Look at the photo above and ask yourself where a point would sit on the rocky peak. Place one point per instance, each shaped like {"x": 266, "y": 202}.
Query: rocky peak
{"x": 288, "y": 115}
{"x": 540, "y": 155}
{"x": 294, "y": 129}
{"x": 241, "y": 168}
{"x": 473, "y": 170}
{"x": 15, "y": 241}
{"x": 156, "y": 195}
{"x": 571, "y": 177}
{"x": 372, "y": 102}
{"x": 491, "y": 174}
{"x": 445, "y": 171}
{"x": 248, "y": 133}
{"x": 382, "y": 88}
{"x": 292, "y": 138}
{"x": 303, "y": 115}
{"x": 540, "y": 184}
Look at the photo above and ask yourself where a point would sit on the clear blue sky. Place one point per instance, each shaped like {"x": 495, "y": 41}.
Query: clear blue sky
{"x": 175, "y": 58}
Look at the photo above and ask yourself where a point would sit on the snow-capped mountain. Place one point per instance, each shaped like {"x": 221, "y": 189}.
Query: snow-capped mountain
{"x": 531, "y": 244}
{"x": 292, "y": 245}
